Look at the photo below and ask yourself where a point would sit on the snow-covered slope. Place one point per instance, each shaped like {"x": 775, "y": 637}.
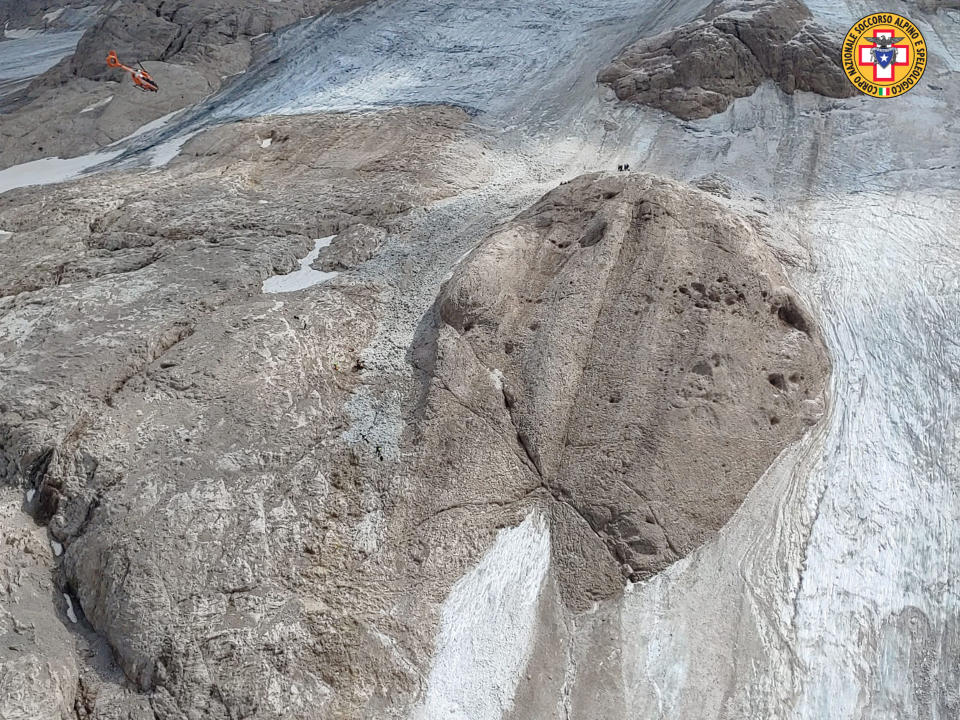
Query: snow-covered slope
{"x": 22, "y": 58}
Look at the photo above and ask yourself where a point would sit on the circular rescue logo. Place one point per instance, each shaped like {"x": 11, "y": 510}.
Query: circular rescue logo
{"x": 884, "y": 55}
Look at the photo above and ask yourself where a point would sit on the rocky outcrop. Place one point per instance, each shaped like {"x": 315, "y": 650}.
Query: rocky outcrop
{"x": 243, "y": 529}
{"x": 213, "y": 35}
{"x": 46, "y": 14}
{"x": 351, "y": 247}
{"x": 207, "y": 549}
{"x": 935, "y": 5}
{"x": 698, "y": 69}
{"x": 650, "y": 358}
{"x": 38, "y": 669}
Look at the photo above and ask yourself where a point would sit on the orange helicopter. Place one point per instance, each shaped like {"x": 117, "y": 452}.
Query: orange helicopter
{"x": 141, "y": 78}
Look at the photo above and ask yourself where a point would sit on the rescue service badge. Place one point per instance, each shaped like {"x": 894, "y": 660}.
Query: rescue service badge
{"x": 884, "y": 55}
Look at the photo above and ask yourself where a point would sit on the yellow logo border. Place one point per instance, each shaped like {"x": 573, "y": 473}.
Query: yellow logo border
{"x": 872, "y": 88}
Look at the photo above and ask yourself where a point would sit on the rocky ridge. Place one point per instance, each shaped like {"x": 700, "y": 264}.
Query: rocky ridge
{"x": 698, "y": 69}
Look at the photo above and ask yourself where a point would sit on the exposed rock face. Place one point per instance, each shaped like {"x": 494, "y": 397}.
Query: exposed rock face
{"x": 38, "y": 669}
{"x": 622, "y": 357}
{"x": 211, "y": 34}
{"x": 87, "y": 115}
{"x": 351, "y": 247}
{"x": 698, "y": 69}
{"x": 651, "y": 359}
{"x": 934, "y": 5}
{"x": 43, "y": 14}
{"x": 134, "y": 338}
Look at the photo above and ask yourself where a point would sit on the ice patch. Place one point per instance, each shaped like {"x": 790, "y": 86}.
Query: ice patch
{"x": 49, "y": 171}
{"x": 167, "y": 151}
{"x": 26, "y": 53}
{"x": 152, "y": 125}
{"x": 52, "y": 16}
{"x": 305, "y": 277}
{"x": 22, "y": 34}
{"x": 70, "y": 613}
{"x": 5, "y": 235}
{"x": 487, "y": 627}
{"x": 97, "y": 105}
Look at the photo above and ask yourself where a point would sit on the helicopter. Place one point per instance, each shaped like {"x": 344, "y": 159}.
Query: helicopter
{"x": 141, "y": 78}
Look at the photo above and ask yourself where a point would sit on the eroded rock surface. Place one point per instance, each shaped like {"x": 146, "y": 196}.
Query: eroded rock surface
{"x": 181, "y": 430}
{"x": 351, "y": 247}
{"x": 623, "y": 359}
{"x": 698, "y": 69}
{"x": 651, "y": 358}
{"x": 49, "y": 15}
{"x": 38, "y": 669}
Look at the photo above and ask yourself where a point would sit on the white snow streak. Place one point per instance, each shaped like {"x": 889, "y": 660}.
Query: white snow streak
{"x": 487, "y": 627}
{"x": 49, "y": 171}
{"x": 70, "y": 613}
{"x": 305, "y": 276}
{"x": 52, "y": 16}
{"x": 97, "y": 105}
{"x": 167, "y": 151}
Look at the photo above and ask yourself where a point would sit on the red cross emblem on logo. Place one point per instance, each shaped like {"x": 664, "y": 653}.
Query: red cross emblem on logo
{"x": 901, "y": 56}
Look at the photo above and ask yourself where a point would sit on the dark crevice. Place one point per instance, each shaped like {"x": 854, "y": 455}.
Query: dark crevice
{"x": 164, "y": 345}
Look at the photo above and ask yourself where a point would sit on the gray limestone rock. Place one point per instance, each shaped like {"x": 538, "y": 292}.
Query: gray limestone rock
{"x": 624, "y": 356}
{"x": 698, "y": 69}
{"x": 351, "y": 247}
{"x": 652, "y": 362}
{"x": 182, "y": 430}
{"x": 38, "y": 668}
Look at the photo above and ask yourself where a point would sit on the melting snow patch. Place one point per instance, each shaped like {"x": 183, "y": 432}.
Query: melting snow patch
{"x": 50, "y": 170}
{"x": 30, "y": 493}
{"x": 305, "y": 277}
{"x": 266, "y": 142}
{"x": 70, "y": 613}
{"x": 486, "y": 628}
{"x": 57, "y": 548}
{"x": 52, "y": 16}
{"x": 167, "y": 151}
{"x": 4, "y": 235}
{"x": 152, "y": 125}
{"x": 97, "y": 105}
